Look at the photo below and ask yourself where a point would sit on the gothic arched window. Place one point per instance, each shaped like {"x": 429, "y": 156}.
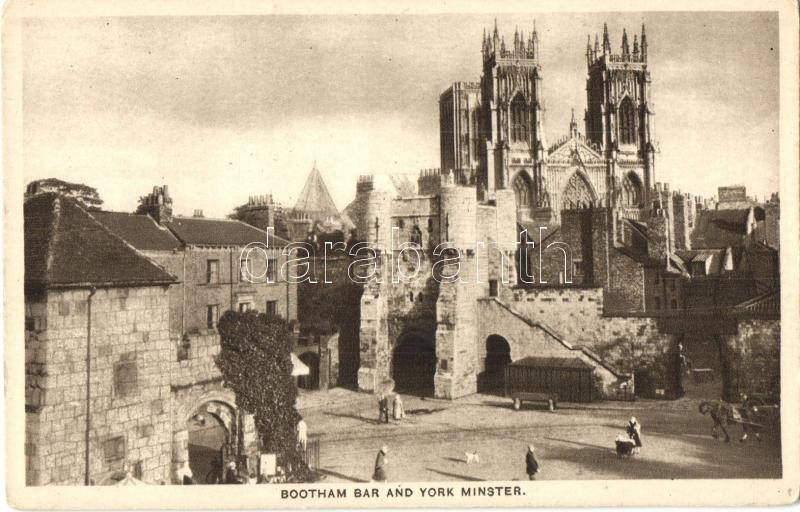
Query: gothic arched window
{"x": 631, "y": 190}
{"x": 627, "y": 122}
{"x": 519, "y": 120}
{"x": 522, "y": 191}
{"x": 578, "y": 193}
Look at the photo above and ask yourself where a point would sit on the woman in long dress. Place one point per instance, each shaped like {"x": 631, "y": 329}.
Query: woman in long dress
{"x": 635, "y": 433}
{"x": 398, "y": 412}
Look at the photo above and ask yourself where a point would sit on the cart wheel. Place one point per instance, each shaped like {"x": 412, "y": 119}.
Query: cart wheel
{"x": 517, "y": 404}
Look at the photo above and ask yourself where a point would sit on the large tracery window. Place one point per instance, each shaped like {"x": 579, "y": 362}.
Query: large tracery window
{"x": 631, "y": 191}
{"x": 627, "y": 122}
{"x": 522, "y": 191}
{"x": 519, "y": 120}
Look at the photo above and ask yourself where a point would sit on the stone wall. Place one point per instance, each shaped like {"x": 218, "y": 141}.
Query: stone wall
{"x": 130, "y": 397}
{"x": 528, "y": 338}
{"x": 754, "y": 358}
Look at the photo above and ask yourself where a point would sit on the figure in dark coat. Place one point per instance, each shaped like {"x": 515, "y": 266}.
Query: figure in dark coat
{"x": 531, "y": 464}
{"x": 383, "y": 409}
{"x": 635, "y": 433}
{"x": 379, "y": 475}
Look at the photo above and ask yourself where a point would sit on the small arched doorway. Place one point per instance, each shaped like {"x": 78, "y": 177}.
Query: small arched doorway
{"x": 414, "y": 364}
{"x": 310, "y": 381}
{"x": 498, "y": 355}
{"x": 210, "y": 443}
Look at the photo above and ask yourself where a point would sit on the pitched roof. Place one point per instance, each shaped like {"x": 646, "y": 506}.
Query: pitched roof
{"x": 315, "y": 198}
{"x": 717, "y": 229}
{"x": 139, "y": 230}
{"x": 65, "y": 246}
{"x": 553, "y": 362}
{"x": 202, "y": 231}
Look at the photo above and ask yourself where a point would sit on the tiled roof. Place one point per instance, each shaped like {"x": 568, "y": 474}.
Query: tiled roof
{"x": 65, "y": 246}
{"x": 716, "y": 229}
{"x": 139, "y": 230}
{"x": 216, "y": 232}
{"x": 553, "y": 362}
{"x": 315, "y": 198}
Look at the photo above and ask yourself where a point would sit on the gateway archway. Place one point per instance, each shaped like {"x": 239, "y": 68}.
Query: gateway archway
{"x": 414, "y": 364}
{"x": 498, "y": 355}
{"x": 211, "y": 441}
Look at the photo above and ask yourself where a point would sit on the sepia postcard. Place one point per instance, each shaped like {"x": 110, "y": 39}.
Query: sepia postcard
{"x": 400, "y": 254}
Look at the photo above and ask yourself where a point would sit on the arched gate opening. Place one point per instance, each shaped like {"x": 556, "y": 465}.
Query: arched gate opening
{"x": 498, "y": 355}
{"x": 211, "y": 441}
{"x": 414, "y": 364}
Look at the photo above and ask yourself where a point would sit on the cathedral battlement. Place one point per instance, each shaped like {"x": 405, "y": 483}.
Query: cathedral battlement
{"x": 597, "y": 56}
{"x": 523, "y": 47}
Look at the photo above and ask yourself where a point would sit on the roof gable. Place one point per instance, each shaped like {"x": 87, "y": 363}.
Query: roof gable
{"x": 66, "y": 246}
{"x": 573, "y": 150}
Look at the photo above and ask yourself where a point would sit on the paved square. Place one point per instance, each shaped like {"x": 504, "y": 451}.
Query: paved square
{"x": 574, "y": 442}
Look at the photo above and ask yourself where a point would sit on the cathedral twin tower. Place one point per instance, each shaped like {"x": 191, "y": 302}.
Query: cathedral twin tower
{"x": 492, "y": 132}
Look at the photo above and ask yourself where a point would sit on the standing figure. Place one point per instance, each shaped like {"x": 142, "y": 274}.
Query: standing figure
{"x": 302, "y": 434}
{"x": 398, "y": 412}
{"x": 230, "y": 474}
{"x": 383, "y": 409}
{"x": 379, "y": 475}
{"x": 531, "y": 464}
{"x": 679, "y": 367}
{"x": 635, "y": 433}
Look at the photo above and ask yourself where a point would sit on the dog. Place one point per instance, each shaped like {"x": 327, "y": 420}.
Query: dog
{"x": 472, "y": 457}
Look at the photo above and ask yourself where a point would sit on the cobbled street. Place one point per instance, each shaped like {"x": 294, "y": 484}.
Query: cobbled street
{"x": 574, "y": 442}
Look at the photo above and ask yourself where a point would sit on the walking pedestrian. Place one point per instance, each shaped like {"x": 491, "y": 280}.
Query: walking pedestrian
{"x": 379, "y": 474}
{"x": 531, "y": 464}
{"x": 635, "y": 433}
{"x": 383, "y": 409}
{"x": 398, "y": 412}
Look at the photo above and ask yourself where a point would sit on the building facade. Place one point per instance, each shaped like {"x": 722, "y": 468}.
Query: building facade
{"x": 563, "y": 250}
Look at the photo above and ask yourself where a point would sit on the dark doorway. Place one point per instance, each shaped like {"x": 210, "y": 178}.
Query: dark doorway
{"x": 207, "y": 437}
{"x": 498, "y": 355}
{"x": 310, "y": 381}
{"x": 702, "y": 373}
{"x": 414, "y": 365}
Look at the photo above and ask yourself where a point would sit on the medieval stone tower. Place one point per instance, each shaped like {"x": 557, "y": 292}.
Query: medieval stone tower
{"x": 619, "y": 117}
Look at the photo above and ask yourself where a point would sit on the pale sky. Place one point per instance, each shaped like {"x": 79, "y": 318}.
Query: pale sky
{"x": 220, "y": 108}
